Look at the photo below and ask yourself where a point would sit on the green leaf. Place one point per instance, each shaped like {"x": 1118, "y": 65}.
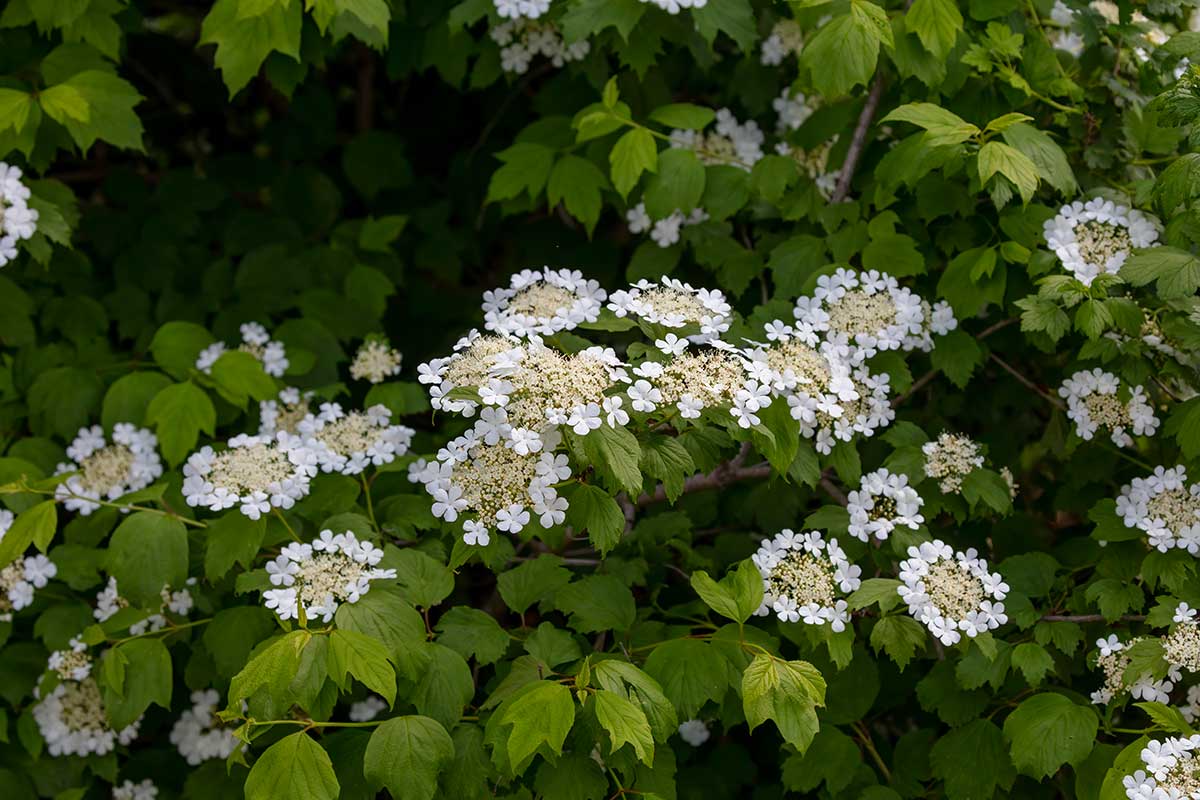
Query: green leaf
{"x": 958, "y": 355}
{"x": 129, "y": 397}
{"x": 844, "y": 51}
{"x": 445, "y": 686}
{"x": 597, "y": 603}
{"x": 294, "y": 767}
{"x": 473, "y": 633}
{"x": 148, "y": 551}
{"x": 1033, "y": 661}
{"x": 899, "y": 636}
{"x": 179, "y": 414}
{"x": 937, "y": 23}
{"x": 876, "y": 590}
{"x": 232, "y": 539}
{"x": 593, "y": 510}
{"x": 683, "y": 115}
{"x": 832, "y": 759}
{"x": 577, "y": 183}
{"x": 244, "y": 40}
{"x": 626, "y": 723}
{"x": 572, "y": 777}
{"x": 540, "y": 715}
{"x": 943, "y": 127}
{"x": 233, "y": 633}
{"x": 36, "y": 525}
{"x": 353, "y": 653}
{"x": 1047, "y": 731}
{"x": 989, "y": 487}
{"x": 239, "y": 377}
{"x": 737, "y": 596}
{"x": 1011, "y": 163}
{"x": 634, "y": 153}
{"x": 95, "y": 105}
{"x": 15, "y": 108}
{"x": 624, "y": 678}
{"x": 732, "y": 17}
{"x": 584, "y": 18}
{"x": 147, "y": 679}
{"x": 1176, "y": 271}
{"x": 973, "y": 761}
{"x": 615, "y": 454}
{"x": 1046, "y": 155}
{"x": 1184, "y": 425}
{"x": 786, "y": 692}
{"x": 383, "y": 615}
{"x": 677, "y": 186}
{"x": 691, "y": 673}
{"x": 406, "y": 754}
{"x": 374, "y": 15}
{"x": 62, "y": 400}
{"x": 526, "y": 168}
{"x": 176, "y": 345}
{"x": 532, "y": 582}
{"x": 665, "y": 459}
{"x": 271, "y": 671}
{"x": 424, "y": 581}
{"x": 1167, "y": 717}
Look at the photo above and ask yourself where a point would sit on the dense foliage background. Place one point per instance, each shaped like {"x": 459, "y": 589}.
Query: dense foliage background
{"x": 352, "y": 174}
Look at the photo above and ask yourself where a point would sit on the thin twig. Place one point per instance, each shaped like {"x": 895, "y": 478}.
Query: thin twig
{"x": 833, "y": 491}
{"x": 1091, "y": 618}
{"x": 859, "y": 141}
{"x": 1028, "y": 384}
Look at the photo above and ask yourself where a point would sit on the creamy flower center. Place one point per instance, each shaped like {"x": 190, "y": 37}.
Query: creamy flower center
{"x": 471, "y": 364}
{"x": 1107, "y": 410}
{"x": 804, "y": 578}
{"x": 245, "y": 470}
{"x": 256, "y": 350}
{"x": 82, "y": 709}
{"x": 106, "y": 468}
{"x": 711, "y": 377}
{"x": 288, "y": 416}
{"x": 716, "y": 149}
{"x": 10, "y": 576}
{"x": 494, "y": 477}
{"x": 1114, "y": 665}
{"x": 325, "y": 575}
{"x": 1182, "y": 647}
{"x": 69, "y": 661}
{"x": 673, "y": 302}
{"x": 1184, "y": 777}
{"x": 952, "y": 589}
{"x": 884, "y": 508}
{"x": 950, "y": 460}
{"x": 809, "y": 366}
{"x": 540, "y": 300}
{"x": 376, "y": 362}
{"x": 1100, "y": 241}
{"x": 353, "y": 433}
{"x": 857, "y": 312}
{"x": 1178, "y": 508}
{"x": 790, "y": 34}
{"x": 548, "y": 379}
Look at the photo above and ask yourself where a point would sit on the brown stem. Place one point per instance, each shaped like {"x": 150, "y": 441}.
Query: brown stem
{"x": 1091, "y": 618}
{"x": 1028, "y": 384}
{"x": 859, "y": 141}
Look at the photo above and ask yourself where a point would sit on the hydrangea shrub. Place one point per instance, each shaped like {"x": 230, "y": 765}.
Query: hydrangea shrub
{"x": 587, "y": 399}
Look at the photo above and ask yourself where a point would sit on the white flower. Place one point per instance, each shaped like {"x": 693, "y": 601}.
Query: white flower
{"x": 694, "y": 732}
{"x": 1184, "y": 613}
{"x": 615, "y": 416}
{"x": 731, "y": 142}
{"x": 1094, "y": 400}
{"x": 1170, "y": 774}
{"x": 882, "y": 503}
{"x": 674, "y": 304}
{"x": 805, "y": 579}
{"x": 255, "y": 341}
{"x": 584, "y": 418}
{"x": 512, "y": 519}
{"x": 1165, "y": 507}
{"x": 949, "y": 459}
{"x": 1095, "y": 238}
{"x": 334, "y": 569}
{"x": 198, "y": 734}
{"x": 253, "y": 472}
{"x": 73, "y": 722}
{"x": 144, "y": 790}
{"x": 671, "y": 345}
{"x": 950, "y": 591}
{"x": 350, "y": 442}
{"x": 368, "y": 709}
{"x": 102, "y": 472}
{"x": 543, "y": 303}
{"x": 375, "y": 362}
{"x": 19, "y": 578}
{"x": 644, "y": 396}
{"x": 475, "y": 533}
{"x": 17, "y": 220}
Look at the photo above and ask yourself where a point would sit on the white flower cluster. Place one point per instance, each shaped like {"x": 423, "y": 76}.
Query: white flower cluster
{"x": 198, "y": 734}
{"x": 283, "y": 414}
{"x": 831, "y": 399}
{"x": 73, "y": 721}
{"x": 255, "y": 473}
{"x": 666, "y": 231}
{"x": 1113, "y": 659}
{"x": 1191, "y": 707}
{"x": 350, "y": 442}
{"x": 1172, "y": 771}
{"x": 109, "y": 601}
{"x": 368, "y": 709}
{"x": 334, "y": 569}
{"x": 17, "y": 220}
{"x": 21, "y": 577}
{"x": 497, "y": 479}
{"x": 950, "y": 591}
{"x": 1095, "y": 238}
{"x": 1061, "y": 36}
{"x": 1181, "y": 647}
{"x": 694, "y": 380}
{"x": 521, "y": 40}
{"x": 255, "y": 341}
{"x": 794, "y": 108}
{"x": 144, "y": 790}
{"x": 674, "y": 304}
{"x": 733, "y": 143}
{"x": 521, "y": 9}
{"x": 882, "y": 503}
{"x": 870, "y": 312}
{"x": 950, "y": 458}
{"x": 1093, "y": 402}
{"x": 675, "y": 6}
{"x": 73, "y": 664}
{"x": 100, "y": 471}
{"x": 543, "y": 303}
{"x": 806, "y": 578}
{"x": 375, "y": 362}
{"x": 694, "y": 731}
{"x": 1165, "y": 507}
{"x": 786, "y": 39}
